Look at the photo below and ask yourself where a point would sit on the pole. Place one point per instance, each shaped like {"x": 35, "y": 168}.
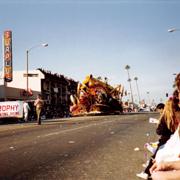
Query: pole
{"x": 27, "y": 64}
{"x": 129, "y": 79}
{"x": 138, "y": 91}
{"x": 148, "y": 97}
{"x": 27, "y": 72}
{"x": 3, "y": 71}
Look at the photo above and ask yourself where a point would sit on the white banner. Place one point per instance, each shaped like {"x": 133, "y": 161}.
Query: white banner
{"x": 11, "y": 109}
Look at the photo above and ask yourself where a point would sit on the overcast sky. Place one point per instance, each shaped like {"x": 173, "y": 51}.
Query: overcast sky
{"x": 98, "y": 37}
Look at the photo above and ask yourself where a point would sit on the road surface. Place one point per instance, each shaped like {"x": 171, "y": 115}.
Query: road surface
{"x": 81, "y": 148}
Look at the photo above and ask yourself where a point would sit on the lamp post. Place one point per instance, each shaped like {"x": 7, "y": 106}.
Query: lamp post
{"x": 137, "y": 89}
{"x": 170, "y": 31}
{"x": 127, "y": 67}
{"x": 173, "y": 29}
{"x": 27, "y": 64}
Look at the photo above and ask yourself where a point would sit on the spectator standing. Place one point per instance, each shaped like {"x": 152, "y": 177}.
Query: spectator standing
{"x": 39, "y": 103}
{"x": 26, "y": 110}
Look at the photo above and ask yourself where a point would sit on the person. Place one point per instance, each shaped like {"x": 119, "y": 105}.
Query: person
{"x": 177, "y": 82}
{"x": 39, "y": 103}
{"x": 168, "y": 124}
{"x": 160, "y": 108}
{"x": 26, "y": 110}
{"x": 167, "y": 162}
{"x": 169, "y": 151}
{"x": 166, "y": 170}
{"x": 177, "y": 85}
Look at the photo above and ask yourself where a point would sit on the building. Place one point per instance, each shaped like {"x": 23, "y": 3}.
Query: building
{"x": 54, "y": 88}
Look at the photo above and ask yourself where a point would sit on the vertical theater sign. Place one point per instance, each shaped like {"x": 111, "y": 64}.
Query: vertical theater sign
{"x": 8, "y": 56}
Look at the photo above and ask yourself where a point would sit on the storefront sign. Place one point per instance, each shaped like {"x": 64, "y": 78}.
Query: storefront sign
{"x": 8, "y": 56}
{"x": 11, "y": 109}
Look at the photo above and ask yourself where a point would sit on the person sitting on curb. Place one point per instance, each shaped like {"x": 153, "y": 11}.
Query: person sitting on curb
{"x": 165, "y": 171}
{"x": 166, "y": 127}
{"x": 172, "y": 121}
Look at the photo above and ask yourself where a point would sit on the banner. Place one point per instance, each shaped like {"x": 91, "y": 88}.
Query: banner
{"x": 7, "y": 56}
{"x": 11, "y": 109}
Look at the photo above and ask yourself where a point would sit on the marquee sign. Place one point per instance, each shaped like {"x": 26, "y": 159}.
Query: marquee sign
{"x": 8, "y": 56}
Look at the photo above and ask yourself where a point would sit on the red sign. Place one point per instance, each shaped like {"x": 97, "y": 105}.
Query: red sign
{"x": 8, "y": 56}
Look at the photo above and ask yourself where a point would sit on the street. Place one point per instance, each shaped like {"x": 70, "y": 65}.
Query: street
{"x": 80, "y": 148}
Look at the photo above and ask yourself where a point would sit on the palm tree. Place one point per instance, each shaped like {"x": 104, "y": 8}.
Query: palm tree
{"x": 137, "y": 89}
{"x": 127, "y": 67}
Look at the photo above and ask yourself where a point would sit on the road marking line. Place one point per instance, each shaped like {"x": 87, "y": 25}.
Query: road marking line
{"x": 73, "y": 129}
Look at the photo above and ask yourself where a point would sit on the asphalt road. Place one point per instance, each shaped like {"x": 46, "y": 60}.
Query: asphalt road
{"x": 81, "y": 148}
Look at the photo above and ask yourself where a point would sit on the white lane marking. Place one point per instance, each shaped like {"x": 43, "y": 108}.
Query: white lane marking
{"x": 74, "y": 129}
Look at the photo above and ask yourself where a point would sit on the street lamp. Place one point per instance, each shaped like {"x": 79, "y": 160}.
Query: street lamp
{"x": 27, "y": 63}
{"x": 127, "y": 67}
{"x": 137, "y": 89}
{"x": 173, "y": 29}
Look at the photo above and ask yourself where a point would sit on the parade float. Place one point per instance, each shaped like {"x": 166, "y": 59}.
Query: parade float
{"x": 95, "y": 96}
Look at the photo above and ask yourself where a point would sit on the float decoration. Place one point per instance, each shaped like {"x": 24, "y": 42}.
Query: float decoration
{"x": 96, "y": 97}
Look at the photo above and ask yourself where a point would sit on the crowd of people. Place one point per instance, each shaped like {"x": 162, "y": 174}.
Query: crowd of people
{"x": 165, "y": 162}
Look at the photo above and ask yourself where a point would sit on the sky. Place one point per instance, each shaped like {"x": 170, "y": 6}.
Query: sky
{"x": 98, "y": 37}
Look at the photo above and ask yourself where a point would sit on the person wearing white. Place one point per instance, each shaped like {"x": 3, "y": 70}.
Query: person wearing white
{"x": 171, "y": 150}
{"x": 166, "y": 171}
{"x": 26, "y": 109}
